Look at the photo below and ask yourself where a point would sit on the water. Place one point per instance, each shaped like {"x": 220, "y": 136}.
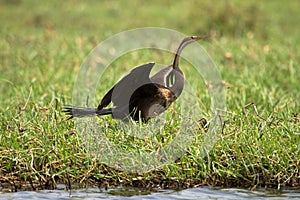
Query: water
{"x": 132, "y": 194}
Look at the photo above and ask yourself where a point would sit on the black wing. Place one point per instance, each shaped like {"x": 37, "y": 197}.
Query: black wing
{"x": 121, "y": 92}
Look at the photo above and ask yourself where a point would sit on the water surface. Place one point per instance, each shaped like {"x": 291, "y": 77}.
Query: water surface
{"x": 133, "y": 193}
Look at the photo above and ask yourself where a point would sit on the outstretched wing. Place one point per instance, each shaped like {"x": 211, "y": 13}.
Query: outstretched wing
{"x": 121, "y": 92}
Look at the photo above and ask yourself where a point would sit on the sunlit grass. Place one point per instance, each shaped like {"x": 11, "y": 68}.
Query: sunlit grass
{"x": 254, "y": 46}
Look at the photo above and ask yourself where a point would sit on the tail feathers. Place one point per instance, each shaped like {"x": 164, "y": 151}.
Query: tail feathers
{"x": 78, "y": 111}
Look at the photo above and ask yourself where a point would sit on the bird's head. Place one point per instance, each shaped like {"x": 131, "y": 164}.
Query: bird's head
{"x": 198, "y": 37}
{"x": 191, "y": 39}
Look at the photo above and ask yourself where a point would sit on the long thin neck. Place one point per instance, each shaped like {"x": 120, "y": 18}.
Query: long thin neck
{"x": 182, "y": 45}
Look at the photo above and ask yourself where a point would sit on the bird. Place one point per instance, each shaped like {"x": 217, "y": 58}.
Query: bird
{"x": 138, "y": 96}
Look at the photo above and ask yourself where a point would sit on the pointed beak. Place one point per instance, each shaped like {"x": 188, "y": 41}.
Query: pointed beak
{"x": 199, "y": 37}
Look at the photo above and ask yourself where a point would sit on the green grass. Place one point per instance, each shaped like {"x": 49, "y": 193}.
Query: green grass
{"x": 254, "y": 45}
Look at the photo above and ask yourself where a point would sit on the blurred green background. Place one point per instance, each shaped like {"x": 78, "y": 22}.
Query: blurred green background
{"x": 103, "y": 18}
